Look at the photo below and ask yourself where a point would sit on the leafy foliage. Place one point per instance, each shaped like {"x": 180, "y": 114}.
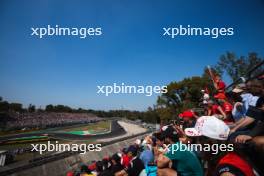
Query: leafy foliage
{"x": 236, "y": 67}
{"x": 182, "y": 95}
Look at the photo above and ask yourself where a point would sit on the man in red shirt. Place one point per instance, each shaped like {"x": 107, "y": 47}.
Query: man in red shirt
{"x": 219, "y": 84}
{"x": 220, "y": 87}
{"x": 215, "y": 110}
{"x": 188, "y": 117}
{"x": 227, "y": 108}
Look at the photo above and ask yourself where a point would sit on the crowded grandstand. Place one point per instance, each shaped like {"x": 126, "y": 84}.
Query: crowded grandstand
{"x": 231, "y": 121}
{"x": 29, "y": 120}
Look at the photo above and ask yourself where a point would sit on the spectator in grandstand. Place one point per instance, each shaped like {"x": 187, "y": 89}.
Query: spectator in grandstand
{"x": 99, "y": 168}
{"x": 220, "y": 87}
{"x": 159, "y": 148}
{"x": 227, "y": 108}
{"x": 181, "y": 162}
{"x": 125, "y": 159}
{"x": 242, "y": 99}
{"x": 249, "y": 105}
{"x": 147, "y": 155}
{"x": 135, "y": 167}
{"x": 219, "y": 84}
{"x": 115, "y": 164}
{"x": 85, "y": 171}
{"x": 214, "y": 109}
{"x": 253, "y": 115}
{"x": 213, "y": 131}
{"x": 189, "y": 118}
{"x": 256, "y": 87}
{"x": 206, "y": 96}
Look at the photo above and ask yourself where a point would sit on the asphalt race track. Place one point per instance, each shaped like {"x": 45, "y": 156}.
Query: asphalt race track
{"x": 116, "y": 130}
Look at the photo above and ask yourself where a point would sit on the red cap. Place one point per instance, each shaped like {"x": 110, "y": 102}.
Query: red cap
{"x": 188, "y": 114}
{"x": 238, "y": 162}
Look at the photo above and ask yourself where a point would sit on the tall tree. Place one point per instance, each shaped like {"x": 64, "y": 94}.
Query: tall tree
{"x": 236, "y": 67}
{"x": 181, "y": 95}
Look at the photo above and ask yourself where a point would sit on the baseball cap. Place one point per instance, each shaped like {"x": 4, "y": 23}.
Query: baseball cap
{"x": 239, "y": 88}
{"x": 188, "y": 114}
{"x": 209, "y": 126}
{"x": 138, "y": 142}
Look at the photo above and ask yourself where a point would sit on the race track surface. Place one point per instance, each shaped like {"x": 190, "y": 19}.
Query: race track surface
{"x": 116, "y": 130}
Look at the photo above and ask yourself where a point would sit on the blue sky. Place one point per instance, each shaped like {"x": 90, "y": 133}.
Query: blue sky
{"x": 66, "y": 70}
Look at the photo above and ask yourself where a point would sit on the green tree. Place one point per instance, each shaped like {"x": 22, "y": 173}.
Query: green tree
{"x": 236, "y": 67}
{"x": 181, "y": 95}
{"x": 17, "y": 107}
{"x": 49, "y": 108}
{"x": 4, "y": 106}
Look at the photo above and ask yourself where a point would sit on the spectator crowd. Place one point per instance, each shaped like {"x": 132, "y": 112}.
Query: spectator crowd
{"x": 28, "y": 120}
{"x": 232, "y": 121}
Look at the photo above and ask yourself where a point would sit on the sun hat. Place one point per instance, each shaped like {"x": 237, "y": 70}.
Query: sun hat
{"x": 209, "y": 126}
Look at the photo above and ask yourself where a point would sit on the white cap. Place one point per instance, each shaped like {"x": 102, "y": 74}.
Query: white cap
{"x": 209, "y": 126}
{"x": 138, "y": 142}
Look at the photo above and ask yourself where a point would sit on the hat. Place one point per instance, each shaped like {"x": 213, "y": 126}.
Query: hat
{"x": 138, "y": 142}
{"x": 209, "y": 126}
{"x": 239, "y": 88}
{"x": 188, "y": 114}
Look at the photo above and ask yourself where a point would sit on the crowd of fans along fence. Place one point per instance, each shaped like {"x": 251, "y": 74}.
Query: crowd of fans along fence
{"x": 234, "y": 118}
{"x": 45, "y": 119}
